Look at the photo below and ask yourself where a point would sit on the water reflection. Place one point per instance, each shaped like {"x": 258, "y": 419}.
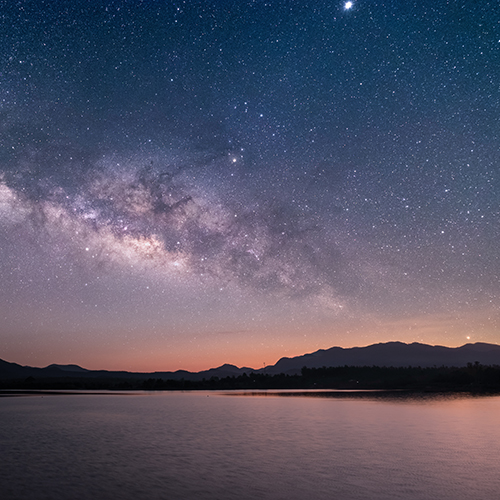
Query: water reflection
{"x": 270, "y": 445}
{"x": 374, "y": 395}
{"x": 350, "y": 394}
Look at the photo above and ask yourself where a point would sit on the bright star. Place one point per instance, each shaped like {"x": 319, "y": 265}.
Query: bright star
{"x": 348, "y": 5}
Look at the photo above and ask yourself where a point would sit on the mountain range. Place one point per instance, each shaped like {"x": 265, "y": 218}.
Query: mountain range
{"x": 396, "y": 354}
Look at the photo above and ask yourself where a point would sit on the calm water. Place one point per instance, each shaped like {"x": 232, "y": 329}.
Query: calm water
{"x": 215, "y": 446}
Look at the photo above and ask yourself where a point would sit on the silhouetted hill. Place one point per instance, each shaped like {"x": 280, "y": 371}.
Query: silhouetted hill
{"x": 390, "y": 354}
{"x": 397, "y": 354}
{"x": 15, "y": 371}
{"x": 12, "y": 371}
{"x": 68, "y": 368}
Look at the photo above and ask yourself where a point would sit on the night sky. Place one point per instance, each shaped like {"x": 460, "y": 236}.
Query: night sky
{"x": 185, "y": 184}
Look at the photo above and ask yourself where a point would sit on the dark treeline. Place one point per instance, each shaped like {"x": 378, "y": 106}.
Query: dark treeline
{"x": 474, "y": 377}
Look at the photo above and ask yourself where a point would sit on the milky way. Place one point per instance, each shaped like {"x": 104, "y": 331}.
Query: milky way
{"x": 186, "y": 184}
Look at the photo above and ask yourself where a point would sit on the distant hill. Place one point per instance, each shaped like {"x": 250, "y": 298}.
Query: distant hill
{"x": 14, "y": 371}
{"x": 68, "y": 368}
{"x": 395, "y": 354}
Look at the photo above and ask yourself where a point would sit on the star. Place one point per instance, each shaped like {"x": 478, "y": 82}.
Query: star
{"x": 348, "y": 5}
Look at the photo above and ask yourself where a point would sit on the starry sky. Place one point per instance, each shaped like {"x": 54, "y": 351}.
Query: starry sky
{"x": 189, "y": 183}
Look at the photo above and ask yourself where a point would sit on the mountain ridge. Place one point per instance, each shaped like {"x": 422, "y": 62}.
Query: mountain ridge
{"x": 395, "y": 354}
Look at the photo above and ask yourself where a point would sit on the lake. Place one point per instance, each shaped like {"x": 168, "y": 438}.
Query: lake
{"x": 208, "y": 445}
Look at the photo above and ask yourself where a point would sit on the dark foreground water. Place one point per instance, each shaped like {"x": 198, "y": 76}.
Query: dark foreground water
{"x": 215, "y": 446}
